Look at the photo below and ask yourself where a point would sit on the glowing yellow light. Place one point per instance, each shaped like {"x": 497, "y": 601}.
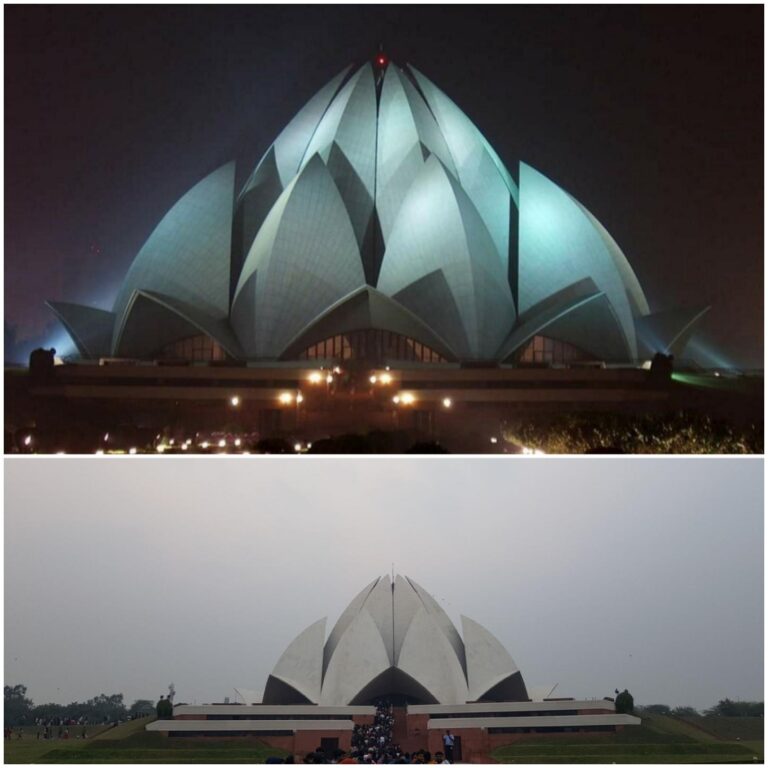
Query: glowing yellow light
{"x": 328, "y": 379}
{"x": 315, "y": 377}
{"x": 246, "y": 453}
{"x": 309, "y": 445}
{"x": 106, "y": 437}
{"x": 28, "y": 440}
{"x": 204, "y": 444}
{"x": 285, "y": 398}
{"x": 297, "y": 447}
{"x": 336, "y": 369}
{"x": 160, "y": 448}
{"x": 60, "y": 453}
{"x": 407, "y": 398}
{"x": 234, "y": 401}
{"x": 299, "y": 398}
{"x": 222, "y": 443}
{"x": 238, "y": 442}
{"x": 447, "y": 402}
{"x": 99, "y": 452}
{"x": 372, "y": 379}
{"x": 171, "y": 441}
{"x": 184, "y": 447}
{"x": 494, "y": 440}
{"x": 385, "y": 378}
{"x": 395, "y": 399}
{"x": 132, "y": 451}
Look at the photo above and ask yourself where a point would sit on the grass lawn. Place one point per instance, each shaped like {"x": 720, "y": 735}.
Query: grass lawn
{"x": 730, "y": 728}
{"x": 658, "y": 740}
{"x": 130, "y": 743}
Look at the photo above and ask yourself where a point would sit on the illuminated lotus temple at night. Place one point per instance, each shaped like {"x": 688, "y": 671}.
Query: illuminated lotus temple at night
{"x": 380, "y": 226}
{"x": 394, "y": 643}
{"x": 381, "y": 271}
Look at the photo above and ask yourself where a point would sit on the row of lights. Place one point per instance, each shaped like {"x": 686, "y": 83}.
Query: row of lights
{"x": 408, "y": 398}
{"x": 317, "y": 377}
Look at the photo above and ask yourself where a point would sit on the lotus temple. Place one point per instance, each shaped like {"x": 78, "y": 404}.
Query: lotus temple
{"x": 379, "y": 225}
{"x": 395, "y": 643}
{"x": 381, "y": 267}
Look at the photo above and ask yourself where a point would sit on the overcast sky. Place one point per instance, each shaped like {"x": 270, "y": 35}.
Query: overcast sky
{"x": 125, "y": 575}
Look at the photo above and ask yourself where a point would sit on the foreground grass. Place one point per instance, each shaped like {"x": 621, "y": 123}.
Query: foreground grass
{"x": 730, "y": 728}
{"x": 658, "y": 740}
{"x": 29, "y": 749}
{"x": 130, "y": 743}
{"x": 138, "y": 746}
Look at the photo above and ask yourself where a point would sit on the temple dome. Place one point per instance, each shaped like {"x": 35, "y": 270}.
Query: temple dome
{"x": 394, "y": 641}
{"x": 380, "y": 191}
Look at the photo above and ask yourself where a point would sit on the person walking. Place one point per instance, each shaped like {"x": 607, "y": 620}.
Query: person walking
{"x": 448, "y": 741}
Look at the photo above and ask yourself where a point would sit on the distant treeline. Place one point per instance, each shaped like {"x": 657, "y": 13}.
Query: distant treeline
{"x": 723, "y": 708}
{"x": 104, "y": 708}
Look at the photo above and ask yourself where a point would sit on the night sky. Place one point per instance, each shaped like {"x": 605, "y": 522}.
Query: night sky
{"x": 652, "y": 117}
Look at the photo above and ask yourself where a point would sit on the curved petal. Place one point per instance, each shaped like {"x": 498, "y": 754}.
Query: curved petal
{"x": 90, "y": 328}
{"x": 488, "y": 662}
{"x": 306, "y": 258}
{"x": 153, "y": 321}
{"x": 363, "y": 309}
{"x": 359, "y": 657}
{"x": 187, "y": 257}
{"x": 437, "y": 228}
{"x": 301, "y": 665}
{"x": 559, "y": 245}
{"x": 428, "y": 657}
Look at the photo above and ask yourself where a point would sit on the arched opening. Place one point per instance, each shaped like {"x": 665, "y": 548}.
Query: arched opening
{"x": 374, "y": 345}
{"x": 543, "y": 350}
{"x": 193, "y": 349}
{"x": 396, "y": 687}
{"x": 279, "y": 692}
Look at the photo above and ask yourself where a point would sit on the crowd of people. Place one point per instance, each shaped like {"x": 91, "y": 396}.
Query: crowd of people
{"x": 374, "y": 745}
{"x": 46, "y": 729}
{"x": 374, "y": 742}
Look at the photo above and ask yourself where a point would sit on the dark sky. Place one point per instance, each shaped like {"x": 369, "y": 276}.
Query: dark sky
{"x": 652, "y": 117}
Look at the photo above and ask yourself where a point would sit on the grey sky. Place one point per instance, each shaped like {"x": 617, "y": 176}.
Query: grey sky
{"x": 125, "y": 575}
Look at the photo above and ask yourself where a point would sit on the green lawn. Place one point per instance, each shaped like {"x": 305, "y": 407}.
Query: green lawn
{"x": 730, "y": 728}
{"x": 29, "y": 750}
{"x": 658, "y": 740}
{"x": 130, "y": 743}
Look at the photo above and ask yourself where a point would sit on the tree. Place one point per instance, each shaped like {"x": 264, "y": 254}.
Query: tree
{"x": 164, "y": 709}
{"x": 657, "y": 709}
{"x": 17, "y": 706}
{"x": 107, "y": 707}
{"x": 728, "y": 708}
{"x": 141, "y": 708}
{"x": 685, "y": 712}
{"x": 625, "y": 703}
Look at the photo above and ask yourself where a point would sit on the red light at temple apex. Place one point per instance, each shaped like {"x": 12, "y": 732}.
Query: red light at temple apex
{"x": 381, "y": 60}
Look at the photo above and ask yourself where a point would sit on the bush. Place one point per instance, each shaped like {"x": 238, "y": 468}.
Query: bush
{"x": 625, "y": 703}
